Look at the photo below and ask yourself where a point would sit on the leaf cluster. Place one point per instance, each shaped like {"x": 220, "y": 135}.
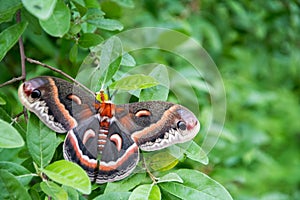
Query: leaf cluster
{"x": 35, "y": 169}
{"x": 256, "y": 48}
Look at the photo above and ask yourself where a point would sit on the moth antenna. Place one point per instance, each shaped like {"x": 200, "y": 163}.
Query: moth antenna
{"x": 114, "y": 93}
{"x": 108, "y": 93}
{"x": 102, "y": 87}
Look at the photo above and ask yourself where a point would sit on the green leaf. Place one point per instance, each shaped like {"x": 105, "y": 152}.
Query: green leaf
{"x": 42, "y": 9}
{"x": 114, "y": 195}
{"x": 164, "y": 39}
{"x": 134, "y": 82}
{"x": 87, "y": 40}
{"x": 147, "y": 192}
{"x": 5, "y": 116}
{"x": 73, "y": 53}
{"x": 21, "y": 173}
{"x": 191, "y": 149}
{"x": 8, "y": 9}
{"x": 195, "y": 152}
{"x": 34, "y": 192}
{"x": 160, "y": 160}
{"x": 9, "y": 136}
{"x": 125, "y": 184}
{"x": 111, "y": 53}
{"x": 42, "y": 43}
{"x": 53, "y": 190}
{"x": 2, "y": 101}
{"x": 41, "y": 141}
{"x": 80, "y": 7}
{"x": 69, "y": 174}
{"x": 158, "y": 92}
{"x": 113, "y": 68}
{"x": 155, "y": 193}
{"x": 128, "y": 60}
{"x": 92, "y": 4}
{"x": 10, "y": 36}
{"x": 107, "y": 24}
{"x": 125, "y": 3}
{"x": 170, "y": 177}
{"x": 72, "y": 193}
{"x": 33, "y": 23}
{"x": 11, "y": 188}
{"x": 196, "y": 185}
{"x": 58, "y": 23}
{"x": 105, "y": 55}
{"x": 94, "y": 14}
{"x": 75, "y": 28}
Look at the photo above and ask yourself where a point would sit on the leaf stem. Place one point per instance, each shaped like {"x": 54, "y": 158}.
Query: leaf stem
{"x": 153, "y": 178}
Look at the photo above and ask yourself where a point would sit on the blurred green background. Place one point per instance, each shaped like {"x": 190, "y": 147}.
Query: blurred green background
{"x": 256, "y": 46}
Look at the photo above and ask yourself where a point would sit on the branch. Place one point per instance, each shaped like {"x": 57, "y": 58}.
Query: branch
{"x": 11, "y": 81}
{"x": 23, "y": 64}
{"x": 60, "y": 72}
{"x": 21, "y": 47}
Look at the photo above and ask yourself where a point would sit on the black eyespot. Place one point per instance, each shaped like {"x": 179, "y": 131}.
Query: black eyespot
{"x": 35, "y": 94}
{"x": 181, "y": 125}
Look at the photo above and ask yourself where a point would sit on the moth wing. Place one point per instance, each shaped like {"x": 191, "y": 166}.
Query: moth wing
{"x": 155, "y": 125}
{"x": 120, "y": 154}
{"x": 80, "y": 146}
{"x": 116, "y": 160}
{"x": 60, "y": 104}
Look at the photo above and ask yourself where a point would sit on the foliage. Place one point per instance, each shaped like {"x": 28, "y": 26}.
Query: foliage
{"x": 256, "y": 48}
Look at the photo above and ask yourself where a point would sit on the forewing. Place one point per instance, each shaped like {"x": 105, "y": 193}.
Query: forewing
{"x": 58, "y": 103}
{"x": 156, "y": 125}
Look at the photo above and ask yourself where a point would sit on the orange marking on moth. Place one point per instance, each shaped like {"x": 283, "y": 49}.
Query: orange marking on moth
{"x": 101, "y": 142}
{"x": 143, "y": 113}
{"x": 71, "y": 121}
{"x": 102, "y": 96}
{"x": 105, "y": 124}
{"x": 107, "y": 109}
{"x": 102, "y": 137}
{"x": 75, "y": 98}
{"x": 167, "y": 117}
{"x": 115, "y": 138}
{"x": 88, "y": 135}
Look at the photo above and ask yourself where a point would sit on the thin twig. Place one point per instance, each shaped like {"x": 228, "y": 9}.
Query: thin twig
{"x": 21, "y": 47}
{"x": 23, "y": 64}
{"x": 60, "y": 72}
{"x": 17, "y": 116}
{"x": 153, "y": 178}
{"x": 11, "y": 81}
